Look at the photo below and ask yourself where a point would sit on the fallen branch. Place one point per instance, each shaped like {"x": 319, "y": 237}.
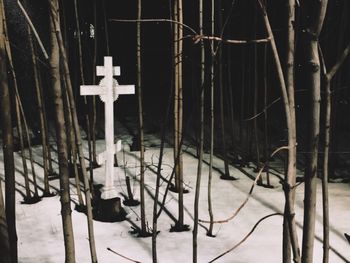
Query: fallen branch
{"x": 249, "y": 194}
{"x": 246, "y": 237}
{"x": 120, "y": 255}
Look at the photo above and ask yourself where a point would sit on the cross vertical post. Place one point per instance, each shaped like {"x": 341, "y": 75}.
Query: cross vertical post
{"x": 108, "y": 90}
{"x": 109, "y": 190}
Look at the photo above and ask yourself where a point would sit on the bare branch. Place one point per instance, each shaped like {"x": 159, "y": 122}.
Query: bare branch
{"x": 246, "y": 237}
{"x": 33, "y": 29}
{"x": 339, "y": 62}
{"x": 198, "y": 38}
{"x": 155, "y": 21}
{"x": 120, "y": 255}
{"x": 249, "y": 194}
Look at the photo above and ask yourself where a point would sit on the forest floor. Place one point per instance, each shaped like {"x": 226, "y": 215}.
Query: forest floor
{"x": 39, "y": 225}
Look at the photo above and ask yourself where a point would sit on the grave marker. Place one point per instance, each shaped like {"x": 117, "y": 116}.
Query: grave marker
{"x": 109, "y": 91}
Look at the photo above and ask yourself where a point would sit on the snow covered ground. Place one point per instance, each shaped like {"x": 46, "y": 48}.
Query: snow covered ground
{"x": 39, "y": 226}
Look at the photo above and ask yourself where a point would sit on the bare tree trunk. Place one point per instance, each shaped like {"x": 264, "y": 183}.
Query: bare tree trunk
{"x": 141, "y": 134}
{"x": 61, "y": 139}
{"x": 291, "y": 172}
{"x": 55, "y": 14}
{"x": 176, "y": 95}
{"x": 289, "y": 187}
{"x": 256, "y": 94}
{"x": 242, "y": 123}
{"x": 41, "y": 115}
{"x": 20, "y": 115}
{"x": 327, "y": 131}
{"x": 212, "y": 83}
{"x": 7, "y": 139}
{"x": 82, "y": 78}
{"x": 180, "y": 157}
{"x": 93, "y": 99}
{"x": 266, "y": 126}
{"x": 314, "y": 22}
{"x": 23, "y": 152}
{"x": 71, "y": 141}
{"x": 178, "y": 113}
{"x": 5, "y": 252}
{"x": 226, "y": 175}
{"x": 201, "y": 140}
{"x": 325, "y": 199}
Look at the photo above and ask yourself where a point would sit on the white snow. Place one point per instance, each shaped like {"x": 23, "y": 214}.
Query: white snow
{"x": 39, "y": 226}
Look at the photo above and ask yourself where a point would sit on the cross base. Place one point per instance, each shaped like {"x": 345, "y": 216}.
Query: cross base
{"x": 109, "y": 210}
{"x": 109, "y": 192}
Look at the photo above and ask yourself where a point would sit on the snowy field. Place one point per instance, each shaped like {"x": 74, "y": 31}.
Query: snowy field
{"x": 39, "y": 227}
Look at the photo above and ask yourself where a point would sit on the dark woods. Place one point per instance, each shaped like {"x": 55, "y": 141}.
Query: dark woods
{"x": 233, "y": 78}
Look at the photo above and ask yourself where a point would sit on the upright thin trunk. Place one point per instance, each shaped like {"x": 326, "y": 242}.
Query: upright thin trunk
{"x": 327, "y": 131}
{"x": 82, "y": 79}
{"x": 211, "y": 154}
{"x": 201, "y": 141}
{"x": 95, "y": 121}
{"x": 291, "y": 171}
{"x": 180, "y": 111}
{"x": 159, "y": 169}
{"x": 266, "y": 126}
{"x": 55, "y": 15}
{"x": 289, "y": 187}
{"x": 20, "y": 110}
{"x": 41, "y": 115}
{"x": 221, "y": 90}
{"x": 61, "y": 139}
{"x": 325, "y": 199}
{"x": 141, "y": 135}
{"x": 5, "y": 252}
{"x": 176, "y": 95}
{"x": 178, "y": 108}
{"x": 23, "y": 152}
{"x": 314, "y": 22}
{"x": 256, "y": 94}
{"x": 71, "y": 141}
{"x": 7, "y": 140}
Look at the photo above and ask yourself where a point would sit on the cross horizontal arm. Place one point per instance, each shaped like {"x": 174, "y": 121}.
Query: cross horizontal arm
{"x": 101, "y": 158}
{"x": 92, "y": 90}
{"x": 124, "y": 89}
{"x": 101, "y": 71}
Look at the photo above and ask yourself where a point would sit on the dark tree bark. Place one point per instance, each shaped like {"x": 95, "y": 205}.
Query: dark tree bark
{"x": 289, "y": 185}
{"x": 211, "y": 153}
{"x": 314, "y": 16}
{"x": 55, "y": 19}
{"x": 7, "y": 139}
{"x": 141, "y": 130}
{"x": 291, "y": 170}
{"x": 5, "y": 252}
{"x": 226, "y": 174}
{"x": 41, "y": 110}
{"x": 201, "y": 141}
{"x": 327, "y": 78}
{"x": 61, "y": 138}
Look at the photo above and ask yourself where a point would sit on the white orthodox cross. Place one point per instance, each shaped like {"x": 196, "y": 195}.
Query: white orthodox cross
{"x": 108, "y": 90}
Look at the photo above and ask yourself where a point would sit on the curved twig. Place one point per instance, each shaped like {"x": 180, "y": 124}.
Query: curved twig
{"x": 120, "y": 255}
{"x": 155, "y": 20}
{"x": 249, "y": 194}
{"x": 246, "y": 237}
{"x": 33, "y": 29}
{"x": 198, "y": 38}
